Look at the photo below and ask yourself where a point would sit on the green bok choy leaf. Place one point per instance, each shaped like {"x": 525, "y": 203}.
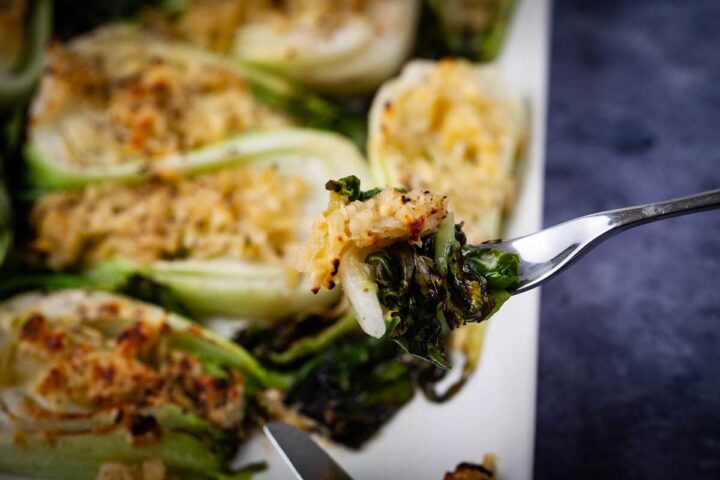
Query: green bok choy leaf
{"x": 441, "y": 284}
{"x": 405, "y": 266}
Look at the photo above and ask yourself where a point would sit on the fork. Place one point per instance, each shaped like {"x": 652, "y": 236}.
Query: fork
{"x": 548, "y": 252}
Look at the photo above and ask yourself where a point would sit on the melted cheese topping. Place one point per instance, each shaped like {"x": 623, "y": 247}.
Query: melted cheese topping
{"x": 451, "y": 127}
{"x": 388, "y": 217}
{"x": 118, "y": 95}
{"x": 74, "y": 367}
{"x": 243, "y": 213}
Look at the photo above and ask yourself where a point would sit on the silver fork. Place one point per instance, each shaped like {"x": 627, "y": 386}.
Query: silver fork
{"x": 546, "y": 253}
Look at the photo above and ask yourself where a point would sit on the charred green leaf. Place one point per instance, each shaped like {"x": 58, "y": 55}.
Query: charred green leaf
{"x": 354, "y": 389}
{"x": 437, "y": 286}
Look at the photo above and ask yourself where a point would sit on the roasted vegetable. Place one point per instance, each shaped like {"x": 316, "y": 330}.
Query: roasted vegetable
{"x": 450, "y": 127}
{"x": 402, "y": 260}
{"x": 337, "y": 46}
{"x": 294, "y": 340}
{"x": 219, "y": 240}
{"x": 25, "y": 28}
{"x": 90, "y": 378}
{"x": 433, "y": 288}
{"x": 122, "y": 105}
{"x": 474, "y": 29}
{"x": 354, "y": 389}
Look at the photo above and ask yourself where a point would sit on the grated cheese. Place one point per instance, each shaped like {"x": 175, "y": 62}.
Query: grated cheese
{"x": 243, "y": 212}
{"x": 451, "y": 127}
{"x": 386, "y": 218}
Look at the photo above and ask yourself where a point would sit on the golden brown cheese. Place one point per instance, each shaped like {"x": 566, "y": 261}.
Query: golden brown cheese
{"x": 244, "y": 212}
{"x": 116, "y": 103}
{"x": 451, "y": 127}
{"x": 386, "y": 218}
{"x": 83, "y": 369}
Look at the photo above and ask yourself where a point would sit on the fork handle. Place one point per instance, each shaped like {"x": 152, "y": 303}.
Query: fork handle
{"x": 624, "y": 218}
{"x": 546, "y": 253}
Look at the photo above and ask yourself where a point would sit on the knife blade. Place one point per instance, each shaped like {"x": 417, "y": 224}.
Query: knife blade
{"x": 304, "y": 457}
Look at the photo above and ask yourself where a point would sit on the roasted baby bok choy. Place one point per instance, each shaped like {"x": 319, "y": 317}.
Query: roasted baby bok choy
{"x": 450, "y": 127}
{"x": 337, "y": 46}
{"x": 90, "y": 379}
{"x": 120, "y": 104}
{"x": 457, "y": 128}
{"x": 219, "y": 239}
{"x": 405, "y": 265}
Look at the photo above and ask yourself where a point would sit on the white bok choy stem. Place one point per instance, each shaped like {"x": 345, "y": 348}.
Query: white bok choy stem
{"x": 361, "y": 290}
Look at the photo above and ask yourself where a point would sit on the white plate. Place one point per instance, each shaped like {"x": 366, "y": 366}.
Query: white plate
{"x": 496, "y": 410}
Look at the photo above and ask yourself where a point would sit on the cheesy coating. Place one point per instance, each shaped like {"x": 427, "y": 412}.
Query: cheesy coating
{"x": 94, "y": 361}
{"x": 390, "y": 216}
{"x": 119, "y": 94}
{"x": 244, "y": 212}
{"x": 451, "y": 127}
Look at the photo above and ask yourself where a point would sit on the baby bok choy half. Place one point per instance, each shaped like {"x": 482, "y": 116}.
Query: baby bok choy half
{"x": 335, "y": 46}
{"x": 220, "y": 240}
{"x": 89, "y": 380}
{"x": 123, "y": 104}
{"x": 405, "y": 265}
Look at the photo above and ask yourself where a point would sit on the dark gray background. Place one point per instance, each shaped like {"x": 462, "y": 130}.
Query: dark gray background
{"x": 629, "y": 370}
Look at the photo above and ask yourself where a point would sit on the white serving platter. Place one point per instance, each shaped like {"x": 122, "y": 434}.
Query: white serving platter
{"x": 495, "y": 412}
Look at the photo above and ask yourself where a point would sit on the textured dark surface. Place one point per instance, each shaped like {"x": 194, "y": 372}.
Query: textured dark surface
{"x": 629, "y": 370}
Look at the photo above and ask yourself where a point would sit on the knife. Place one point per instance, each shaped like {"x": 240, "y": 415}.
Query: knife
{"x": 304, "y": 457}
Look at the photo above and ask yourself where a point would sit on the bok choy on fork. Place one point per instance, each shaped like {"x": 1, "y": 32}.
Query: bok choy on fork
{"x": 405, "y": 266}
